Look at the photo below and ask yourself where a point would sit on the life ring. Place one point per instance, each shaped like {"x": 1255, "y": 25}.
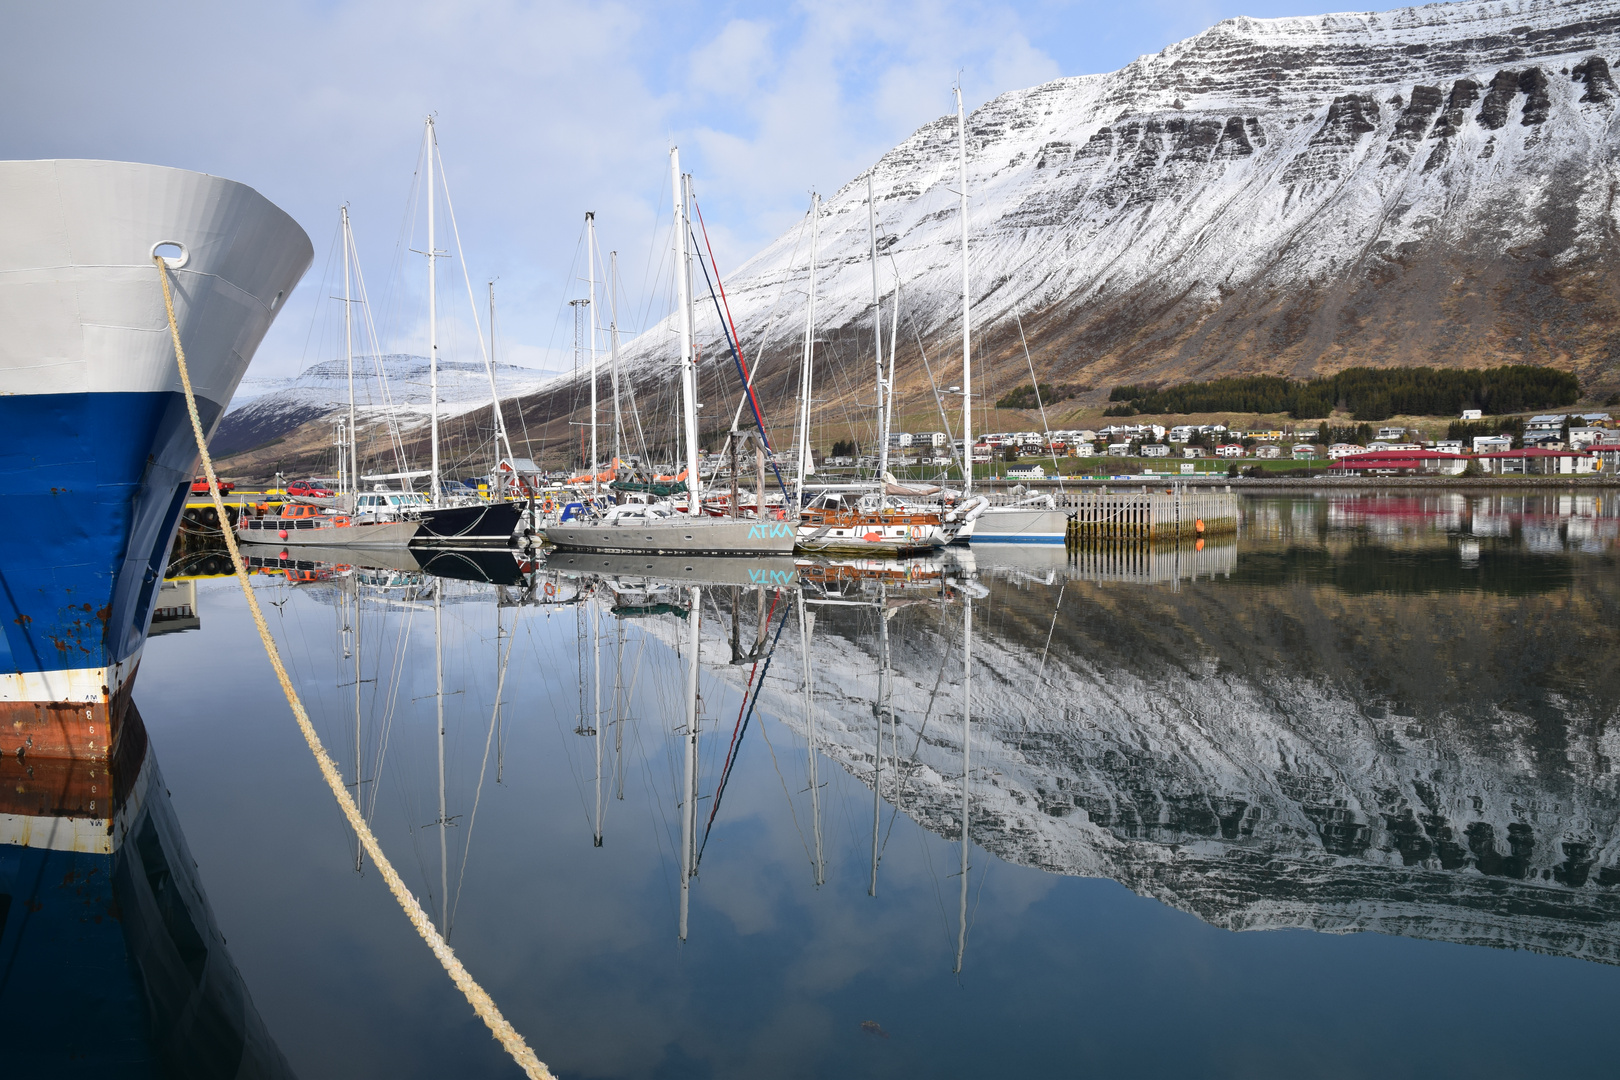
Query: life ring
{"x": 551, "y": 589}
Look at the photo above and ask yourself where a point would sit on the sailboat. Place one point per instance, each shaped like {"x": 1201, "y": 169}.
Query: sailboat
{"x": 879, "y": 522}
{"x": 465, "y": 520}
{"x": 658, "y": 529}
{"x": 305, "y": 525}
{"x": 1035, "y": 519}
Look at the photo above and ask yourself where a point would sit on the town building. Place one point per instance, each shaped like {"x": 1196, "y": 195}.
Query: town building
{"x": 1155, "y": 450}
{"x": 1487, "y": 444}
{"x": 1400, "y": 463}
{"x": 1229, "y": 450}
{"x": 1538, "y": 461}
{"x": 1306, "y": 451}
{"x": 1582, "y": 437}
{"x": 1473, "y": 414}
{"x": 1542, "y": 429}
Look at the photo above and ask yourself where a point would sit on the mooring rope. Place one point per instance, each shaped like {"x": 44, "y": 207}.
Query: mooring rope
{"x": 481, "y": 1002}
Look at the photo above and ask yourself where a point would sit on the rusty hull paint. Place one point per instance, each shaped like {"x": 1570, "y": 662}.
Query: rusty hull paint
{"x": 76, "y": 730}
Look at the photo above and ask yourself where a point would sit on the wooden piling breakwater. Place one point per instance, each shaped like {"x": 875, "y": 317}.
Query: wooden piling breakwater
{"x": 1147, "y": 515}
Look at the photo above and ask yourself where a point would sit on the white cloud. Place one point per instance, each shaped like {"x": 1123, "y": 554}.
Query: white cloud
{"x": 546, "y": 110}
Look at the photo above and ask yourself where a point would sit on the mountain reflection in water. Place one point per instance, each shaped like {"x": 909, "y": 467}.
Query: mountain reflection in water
{"x": 1368, "y": 713}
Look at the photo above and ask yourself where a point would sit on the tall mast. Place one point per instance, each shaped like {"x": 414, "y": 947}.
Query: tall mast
{"x": 967, "y": 731}
{"x": 596, "y": 711}
{"x": 354, "y": 618}
{"x": 689, "y": 806}
{"x": 433, "y": 320}
{"x": 613, "y": 352}
{"x": 809, "y": 349}
{"x": 819, "y": 866}
{"x": 495, "y": 403}
{"x": 590, "y": 263}
{"x": 880, "y": 707}
{"x": 967, "y": 350}
{"x": 438, "y": 674}
{"x": 877, "y": 338}
{"x": 348, "y": 352}
{"x": 683, "y": 283}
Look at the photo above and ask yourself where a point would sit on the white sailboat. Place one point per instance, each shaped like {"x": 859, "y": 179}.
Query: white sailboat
{"x": 306, "y": 525}
{"x": 878, "y": 522}
{"x": 658, "y": 529}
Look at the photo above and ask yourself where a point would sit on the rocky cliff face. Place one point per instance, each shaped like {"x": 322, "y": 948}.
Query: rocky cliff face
{"x": 1428, "y": 186}
{"x": 1281, "y": 756}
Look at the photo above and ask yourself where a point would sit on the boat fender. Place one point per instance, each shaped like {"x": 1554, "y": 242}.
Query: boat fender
{"x": 282, "y": 534}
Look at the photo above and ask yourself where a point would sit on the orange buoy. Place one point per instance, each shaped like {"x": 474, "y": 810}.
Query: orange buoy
{"x": 282, "y": 534}
{"x": 1198, "y": 526}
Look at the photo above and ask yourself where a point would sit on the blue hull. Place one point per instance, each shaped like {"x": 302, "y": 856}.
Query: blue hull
{"x": 94, "y": 485}
{"x": 111, "y": 963}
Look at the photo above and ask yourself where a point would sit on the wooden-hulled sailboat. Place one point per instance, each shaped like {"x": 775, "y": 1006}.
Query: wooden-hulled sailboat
{"x": 879, "y": 522}
{"x": 657, "y": 529}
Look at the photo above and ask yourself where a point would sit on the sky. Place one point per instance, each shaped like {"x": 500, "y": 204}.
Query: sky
{"x": 543, "y": 111}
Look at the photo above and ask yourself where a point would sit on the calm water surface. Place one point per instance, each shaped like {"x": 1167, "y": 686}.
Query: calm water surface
{"x": 1335, "y": 800}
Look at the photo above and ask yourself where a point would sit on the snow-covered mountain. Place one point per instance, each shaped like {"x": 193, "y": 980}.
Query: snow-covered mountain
{"x": 1261, "y": 757}
{"x": 1433, "y": 185}
{"x": 266, "y": 408}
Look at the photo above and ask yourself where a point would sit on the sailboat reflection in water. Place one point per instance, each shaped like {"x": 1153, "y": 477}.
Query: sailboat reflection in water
{"x": 110, "y": 960}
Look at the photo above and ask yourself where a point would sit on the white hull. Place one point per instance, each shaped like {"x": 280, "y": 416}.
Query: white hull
{"x": 1019, "y": 525}
{"x": 82, "y": 308}
{"x": 677, "y": 536}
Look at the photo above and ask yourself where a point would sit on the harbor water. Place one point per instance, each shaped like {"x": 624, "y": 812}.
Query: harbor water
{"x": 1334, "y": 796}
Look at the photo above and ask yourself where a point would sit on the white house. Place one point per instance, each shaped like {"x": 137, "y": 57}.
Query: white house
{"x": 1181, "y": 433}
{"x": 1192, "y": 451}
{"x": 1119, "y": 449}
{"x": 1305, "y": 451}
{"x": 1345, "y": 449}
{"x": 1269, "y": 450}
{"x": 1473, "y": 414}
{"x": 1449, "y": 446}
{"x": 1582, "y": 437}
{"x": 1083, "y": 449}
{"x": 1229, "y": 450}
{"x": 1487, "y": 444}
{"x": 1392, "y": 434}
{"x": 1155, "y": 450}
{"x": 1026, "y": 472}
